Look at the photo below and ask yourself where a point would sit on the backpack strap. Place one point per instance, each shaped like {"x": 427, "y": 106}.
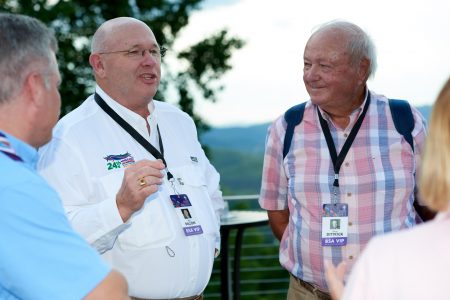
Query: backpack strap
{"x": 404, "y": 123}
{"x": 403, "y": 119}
{"x": 401, "y": 115}
{"x": 293, "y": 116}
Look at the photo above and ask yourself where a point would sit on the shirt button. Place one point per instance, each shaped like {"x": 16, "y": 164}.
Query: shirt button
{"x": 350, "y": 223}
{"x": 345, "y": 135}
{"x": 349, "y": 194}
{"x": 350, "y": 257}
{"x": 347, "y": 164}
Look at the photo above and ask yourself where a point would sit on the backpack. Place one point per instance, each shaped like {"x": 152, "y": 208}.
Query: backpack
{"x": 401, "y": 115}
{"x": 404, "y": 124}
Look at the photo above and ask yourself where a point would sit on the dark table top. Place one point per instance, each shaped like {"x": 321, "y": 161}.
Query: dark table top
{"x": 241, "y": 218}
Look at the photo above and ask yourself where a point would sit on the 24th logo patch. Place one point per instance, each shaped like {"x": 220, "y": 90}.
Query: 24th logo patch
{"x": 116, "y": 161}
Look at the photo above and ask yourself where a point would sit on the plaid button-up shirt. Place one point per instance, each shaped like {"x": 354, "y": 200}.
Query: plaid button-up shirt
{"x": 376, "y": 180}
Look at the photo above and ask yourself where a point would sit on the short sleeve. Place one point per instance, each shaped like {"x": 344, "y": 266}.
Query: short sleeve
{"x": 273, "y": 195}
{"x": 41, "y": 257}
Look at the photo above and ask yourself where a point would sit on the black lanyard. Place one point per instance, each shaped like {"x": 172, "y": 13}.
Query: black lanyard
{"x": 131, "y": 131}
{"x": 339, "y": 159}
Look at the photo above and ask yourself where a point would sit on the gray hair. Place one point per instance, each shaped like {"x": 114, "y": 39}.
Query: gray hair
{"x": 360, "y": 45}
{"x": 25, "y": 43}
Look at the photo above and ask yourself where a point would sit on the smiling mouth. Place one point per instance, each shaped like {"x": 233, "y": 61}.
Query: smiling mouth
{"x": 149, "y": 76}
{"x": 315, "y": 87}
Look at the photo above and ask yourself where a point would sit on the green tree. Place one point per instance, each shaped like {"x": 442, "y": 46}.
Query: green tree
{"x": 74, "y": 23}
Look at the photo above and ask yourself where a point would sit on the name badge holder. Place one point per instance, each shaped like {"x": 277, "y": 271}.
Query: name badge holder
{"x": 334, "y": 224}
{"x": 185, "y": 213}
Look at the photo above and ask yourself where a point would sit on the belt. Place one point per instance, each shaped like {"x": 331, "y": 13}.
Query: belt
{"x": 199, "y": 297}
{"x": 313, "y": 289}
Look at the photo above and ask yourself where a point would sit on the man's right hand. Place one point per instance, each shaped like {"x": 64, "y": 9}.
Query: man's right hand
{"x": 139, "y": 181}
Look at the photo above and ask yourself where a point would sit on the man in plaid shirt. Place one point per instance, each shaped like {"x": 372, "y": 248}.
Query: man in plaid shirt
{"x": 346, "y": 162}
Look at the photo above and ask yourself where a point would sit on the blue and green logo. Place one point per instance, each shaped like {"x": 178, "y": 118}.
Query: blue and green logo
{"x": 117, "y": 161}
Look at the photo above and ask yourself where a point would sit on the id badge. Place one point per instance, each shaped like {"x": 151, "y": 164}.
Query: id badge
{"x": 334, "y": 224}
{"x": 186, "y": 214}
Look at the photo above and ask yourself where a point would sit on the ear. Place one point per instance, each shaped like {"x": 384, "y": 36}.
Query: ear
{"x": 96, "y": 63}
{"x": 34, "y": 86}
{"x": 30, "y": 104}
{"x": 363, "y": 72}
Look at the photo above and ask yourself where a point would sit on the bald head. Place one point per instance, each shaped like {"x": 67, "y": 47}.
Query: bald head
{"x": 126, "y": 60}
{"x": 358, "y": 44}
{"x": 109, "y": 31}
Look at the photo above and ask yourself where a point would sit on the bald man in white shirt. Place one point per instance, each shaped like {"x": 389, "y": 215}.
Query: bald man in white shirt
{"x": 125, "y": 165}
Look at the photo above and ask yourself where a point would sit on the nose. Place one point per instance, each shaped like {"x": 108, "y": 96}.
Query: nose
{"x": 149, "y": 59}
{"x": 311, "y": 73}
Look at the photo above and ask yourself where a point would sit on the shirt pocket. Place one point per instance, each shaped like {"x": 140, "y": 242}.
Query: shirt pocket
{"x": 149, "y": 227}
{"x": 195, "y": 187}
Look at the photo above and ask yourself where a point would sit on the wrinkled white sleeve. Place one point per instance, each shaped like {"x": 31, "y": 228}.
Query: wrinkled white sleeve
{"x": 212, "y": 178}
{"x": 91, "y": 210}
{"x": 215, "y": 195}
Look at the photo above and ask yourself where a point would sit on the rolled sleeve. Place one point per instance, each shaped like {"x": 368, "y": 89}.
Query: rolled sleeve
{"x": 274, "y": 185}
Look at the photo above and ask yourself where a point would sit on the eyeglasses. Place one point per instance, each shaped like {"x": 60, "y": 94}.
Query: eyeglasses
{"x": 139, "y": 53}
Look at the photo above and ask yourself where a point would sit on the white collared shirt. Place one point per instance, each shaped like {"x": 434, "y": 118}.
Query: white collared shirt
{"x": 84, "y": 163}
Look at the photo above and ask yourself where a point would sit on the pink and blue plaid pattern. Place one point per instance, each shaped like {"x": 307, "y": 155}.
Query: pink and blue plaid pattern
{"x": 376, "y": 181}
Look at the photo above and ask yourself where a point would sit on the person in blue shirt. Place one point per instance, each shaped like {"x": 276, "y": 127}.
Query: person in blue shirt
{"x": 41, "y": 257}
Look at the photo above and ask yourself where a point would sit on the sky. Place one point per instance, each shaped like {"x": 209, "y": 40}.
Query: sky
{"x": 412, "y": 38}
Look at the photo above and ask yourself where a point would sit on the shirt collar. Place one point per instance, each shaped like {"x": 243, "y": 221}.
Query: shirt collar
{"x": 354, "y": 114}
{"x": 130, "y": 116}
{"x": 26, "y": 152}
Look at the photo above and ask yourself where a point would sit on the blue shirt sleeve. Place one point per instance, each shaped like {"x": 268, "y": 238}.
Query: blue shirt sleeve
{"x": 41, "y": 257}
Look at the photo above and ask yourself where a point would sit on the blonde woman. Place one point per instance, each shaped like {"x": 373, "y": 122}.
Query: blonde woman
{"x": 411, "y": 264}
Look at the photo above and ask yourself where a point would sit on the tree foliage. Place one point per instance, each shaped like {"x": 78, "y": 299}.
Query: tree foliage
{"x": 74, "y": 23}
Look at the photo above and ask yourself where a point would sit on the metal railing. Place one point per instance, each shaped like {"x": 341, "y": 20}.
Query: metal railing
{"x": 261, "y": 276}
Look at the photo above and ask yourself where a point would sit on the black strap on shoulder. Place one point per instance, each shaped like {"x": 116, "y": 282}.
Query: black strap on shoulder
{"x": 401, "y": 115}
{"x": 403, "y": 119}
{"x": 293, "y": 117}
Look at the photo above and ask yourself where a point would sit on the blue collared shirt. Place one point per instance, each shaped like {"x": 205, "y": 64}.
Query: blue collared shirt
{"x": 41, "y": 257}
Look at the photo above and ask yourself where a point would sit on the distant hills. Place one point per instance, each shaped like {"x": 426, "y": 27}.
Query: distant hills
{"x": 237, "y": 153}
{"x": 247, "y": 139}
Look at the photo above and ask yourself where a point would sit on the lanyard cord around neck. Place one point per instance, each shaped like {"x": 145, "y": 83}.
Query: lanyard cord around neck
{"x": 131, "y": 131}
{"x": 339, "y": 159}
